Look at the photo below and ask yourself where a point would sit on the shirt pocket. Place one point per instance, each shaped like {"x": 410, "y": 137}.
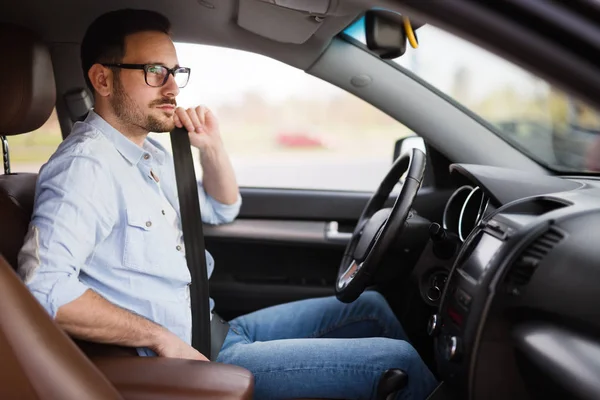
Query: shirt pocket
{"x": 140, "y": 240}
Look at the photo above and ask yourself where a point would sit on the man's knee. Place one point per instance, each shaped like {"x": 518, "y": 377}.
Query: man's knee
{"x": 403, "y": 353}
{"x": 394, "y": 353}
{"x": 374, "y": 300}
{"x": 405, "y": 357}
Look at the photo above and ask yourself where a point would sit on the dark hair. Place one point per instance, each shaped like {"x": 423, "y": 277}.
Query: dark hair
{"x": 104, "y": 40}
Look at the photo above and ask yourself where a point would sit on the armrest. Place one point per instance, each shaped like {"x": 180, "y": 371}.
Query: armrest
{"x": 154, "y": 378}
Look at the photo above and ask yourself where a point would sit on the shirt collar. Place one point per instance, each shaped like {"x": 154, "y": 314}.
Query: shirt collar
{"x": 129, "y": 150}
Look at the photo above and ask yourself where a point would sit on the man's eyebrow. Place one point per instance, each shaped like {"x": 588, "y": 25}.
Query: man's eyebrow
{"x": 162, "y": 64}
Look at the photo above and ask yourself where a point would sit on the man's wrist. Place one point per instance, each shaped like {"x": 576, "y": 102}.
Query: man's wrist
{"x": 212, "y": 152}
{"x": 157, "y": 337}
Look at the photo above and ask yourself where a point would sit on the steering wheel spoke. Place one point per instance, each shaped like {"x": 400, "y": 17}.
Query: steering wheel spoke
{"x": 349, "y": 274}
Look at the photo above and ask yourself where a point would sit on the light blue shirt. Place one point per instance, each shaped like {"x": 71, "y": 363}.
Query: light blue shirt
{"x": 99, "y": 223}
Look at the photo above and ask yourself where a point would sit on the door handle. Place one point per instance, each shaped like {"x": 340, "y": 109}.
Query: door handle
{"x": 333, "y": 234}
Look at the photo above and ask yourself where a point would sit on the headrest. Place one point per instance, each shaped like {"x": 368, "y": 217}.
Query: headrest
{"x": 28, "y": 93}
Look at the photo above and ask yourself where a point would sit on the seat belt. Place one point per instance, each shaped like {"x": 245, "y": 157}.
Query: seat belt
{"x": 206, "y": 342}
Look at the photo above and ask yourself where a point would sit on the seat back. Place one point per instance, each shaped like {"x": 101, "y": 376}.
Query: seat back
{"x": 39, "y": 361}
{"x": 16, "y": 205}
{"x": 26, "y": 102}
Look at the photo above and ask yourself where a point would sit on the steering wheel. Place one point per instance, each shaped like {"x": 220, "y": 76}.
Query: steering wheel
{"x": 378, "y": 227}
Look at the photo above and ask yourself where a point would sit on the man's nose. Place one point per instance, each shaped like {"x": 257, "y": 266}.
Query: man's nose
{"x": 170, "y": 87}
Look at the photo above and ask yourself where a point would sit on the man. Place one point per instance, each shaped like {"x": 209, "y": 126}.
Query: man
{"x": 104, "y": 253}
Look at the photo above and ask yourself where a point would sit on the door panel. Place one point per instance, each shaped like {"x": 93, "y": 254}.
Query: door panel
{"x": 327, "y": 205}
{"x": 286, "y": 245}
{"x": 278, "y": 231}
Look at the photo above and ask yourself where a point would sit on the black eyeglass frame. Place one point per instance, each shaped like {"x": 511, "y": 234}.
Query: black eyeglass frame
{"x": 145, "y": 67}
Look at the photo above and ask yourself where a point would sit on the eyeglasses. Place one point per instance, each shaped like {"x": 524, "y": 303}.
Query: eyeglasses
{"x": 157, "y": 75}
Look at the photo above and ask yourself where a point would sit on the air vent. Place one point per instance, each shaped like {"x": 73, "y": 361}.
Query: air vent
{"x": 523, "y": 268}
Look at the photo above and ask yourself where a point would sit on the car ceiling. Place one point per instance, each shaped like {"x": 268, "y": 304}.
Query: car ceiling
{"x": 489, "y": 24}
{"x": 294, "y": 37}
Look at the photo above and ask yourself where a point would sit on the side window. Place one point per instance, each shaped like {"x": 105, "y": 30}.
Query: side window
{"x": 284, "y": 128}
{"x": 29, "y": 151}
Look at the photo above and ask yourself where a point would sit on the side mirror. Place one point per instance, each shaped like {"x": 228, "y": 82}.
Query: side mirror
{"x": 406, "y": 144}
{"x": 385, "y": 34}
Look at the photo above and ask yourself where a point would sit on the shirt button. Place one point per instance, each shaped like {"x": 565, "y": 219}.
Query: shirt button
{"x": 149, "y": 224}
{"x": 146, "y": 156}
{"x": 178, "y": 248}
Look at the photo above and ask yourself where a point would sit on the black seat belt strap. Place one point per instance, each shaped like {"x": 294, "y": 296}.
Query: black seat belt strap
{"x": 193, "y": 238}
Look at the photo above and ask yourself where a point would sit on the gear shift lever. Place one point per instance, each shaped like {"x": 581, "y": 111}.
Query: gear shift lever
{"x": 392, "y": 381}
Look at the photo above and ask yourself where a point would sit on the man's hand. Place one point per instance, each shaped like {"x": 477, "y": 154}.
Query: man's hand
{"x": 169, "y": 345}
{"x": 202, "y": 126}
{"x": 218, "y": 177}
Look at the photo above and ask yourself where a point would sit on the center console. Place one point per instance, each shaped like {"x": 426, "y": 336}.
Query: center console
{"x": 455, "y": 326}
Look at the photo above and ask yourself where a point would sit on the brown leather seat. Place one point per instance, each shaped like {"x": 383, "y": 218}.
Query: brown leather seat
{"x": 26, "y": 102}
{"x": 38, "y": 360}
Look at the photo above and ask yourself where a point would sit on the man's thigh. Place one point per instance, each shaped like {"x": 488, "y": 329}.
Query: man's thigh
{"x": 327, "y": 368}
{"x": 368, "y": 316}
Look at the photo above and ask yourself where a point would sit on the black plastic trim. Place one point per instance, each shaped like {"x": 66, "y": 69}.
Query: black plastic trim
{"x": 568, "y": 357}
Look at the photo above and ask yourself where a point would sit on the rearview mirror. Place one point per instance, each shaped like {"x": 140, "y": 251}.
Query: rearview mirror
{"x": 384, "y": 33}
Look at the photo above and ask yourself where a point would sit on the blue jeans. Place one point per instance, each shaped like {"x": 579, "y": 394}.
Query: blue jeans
{"x": 323, "y": 348}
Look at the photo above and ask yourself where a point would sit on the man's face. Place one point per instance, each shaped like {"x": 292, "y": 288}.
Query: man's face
{"x": 132, "y": 100}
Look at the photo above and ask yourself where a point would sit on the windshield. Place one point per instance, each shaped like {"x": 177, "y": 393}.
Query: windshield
{"x": 538, "y": 119}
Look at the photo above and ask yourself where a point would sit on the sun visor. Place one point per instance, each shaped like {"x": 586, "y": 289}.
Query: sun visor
{"x": 286, "y": 21}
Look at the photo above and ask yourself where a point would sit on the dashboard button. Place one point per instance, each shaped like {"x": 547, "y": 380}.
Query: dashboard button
{"x": 497, "y": 229}
{"x": 434, "y": 293}
{"x": 463, "y": 298}
{"x": 456, "y": 316}
{"x": 453, "y": 349}
{"x": 433, "y": 326}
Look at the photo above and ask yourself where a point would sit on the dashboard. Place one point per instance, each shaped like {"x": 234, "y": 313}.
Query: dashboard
{"x": 518, "y": 316}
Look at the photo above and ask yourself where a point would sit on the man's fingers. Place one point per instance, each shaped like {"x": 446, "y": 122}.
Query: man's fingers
{"x": 185, "y": 120}
{"x": 195, "y": 120}
{"x": 201, "y": 111}
{"x": 177, "y": 121}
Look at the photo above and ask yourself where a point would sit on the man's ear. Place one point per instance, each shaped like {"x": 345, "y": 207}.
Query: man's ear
{"x": 101, "y": 78}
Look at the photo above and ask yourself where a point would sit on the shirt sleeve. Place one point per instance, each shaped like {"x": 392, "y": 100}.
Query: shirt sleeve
{"x": 215, "y": 212}
{"x": 72, "y": 213}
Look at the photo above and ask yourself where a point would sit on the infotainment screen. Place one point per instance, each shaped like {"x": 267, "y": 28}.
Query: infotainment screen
{"x": 485, "y": 246}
